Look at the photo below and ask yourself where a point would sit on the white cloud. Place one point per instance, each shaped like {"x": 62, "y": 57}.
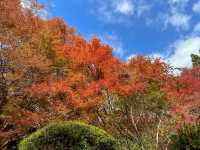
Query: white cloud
{"x": 178, "y": 4}
{"x": 179, "y": 53}
{"x": 114, "y": 11}
{"x": 181, "y": 56}
{"x": 178, "y": 1}
{"x": 42, "y": 13}
{"x": 196, "y": 7}
{"x": 178, "y": 20}
{"x": 157, "y": 55}
{"x": 106, "y": 12}
{"x": 124, "y": 7}
{"x": 130, "y": 57}
{"x": 114, "y": 41}
{"x": 182, "y": 51}
{"x": 118, "y": 11}
{"x": 125, "y": 11}
{"x": 142, "y": 8}
{"x": 26, "y": 3}
{"x": 197, "y": 28}
{"x": 176, "y": 15}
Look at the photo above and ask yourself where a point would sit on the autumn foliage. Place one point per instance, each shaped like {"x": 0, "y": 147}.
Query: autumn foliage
{"x": 50, "y": 73}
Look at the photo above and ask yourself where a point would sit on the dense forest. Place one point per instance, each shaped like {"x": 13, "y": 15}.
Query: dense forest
{"x": 49, "y": 73}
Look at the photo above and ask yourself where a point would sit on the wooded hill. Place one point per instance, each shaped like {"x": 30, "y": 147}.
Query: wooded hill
{"x": 50, "y": 73}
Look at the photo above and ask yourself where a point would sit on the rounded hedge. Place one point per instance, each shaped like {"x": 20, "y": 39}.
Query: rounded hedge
{"x": 187, "y": 138}
{"x": 69, "y": 136}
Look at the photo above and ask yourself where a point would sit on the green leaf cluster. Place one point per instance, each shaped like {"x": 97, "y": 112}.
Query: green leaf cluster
{"x": 187, "y": 138}
{"x": 70, "y": 135}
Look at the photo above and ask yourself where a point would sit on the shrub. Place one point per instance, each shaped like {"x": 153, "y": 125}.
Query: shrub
{"x": 187, "y": 138}
{"x": 69, "y": 136}
{"x": 128, "y": 144}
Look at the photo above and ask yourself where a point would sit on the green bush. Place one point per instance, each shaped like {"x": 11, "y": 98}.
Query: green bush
{"x": 69, "y": 136}
{"x": 187, "y": 138}
{"x": 127, "y": 144}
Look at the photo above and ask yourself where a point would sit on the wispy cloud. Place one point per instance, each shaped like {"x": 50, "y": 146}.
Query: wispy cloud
{"x": 26, "y": 3}
{"x": 125, "y": 7}
{"x": 114, "y": 11}
{"x": 115, "y": 42}
{"x": 196, "y": 7}
{"x": 181, "y": 4}
{"x": 197, "y": 28}
{"x": 178, "y": 20}
{"x": 120, "y": 11}
{"x": 42, "y": 13}
{"x": 177, "y": 16}
{"x": 143, "y": 8}
{"x": 180, "y": 50}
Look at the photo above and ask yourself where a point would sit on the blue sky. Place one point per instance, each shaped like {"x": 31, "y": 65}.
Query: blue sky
{"x": 169, "y": 29}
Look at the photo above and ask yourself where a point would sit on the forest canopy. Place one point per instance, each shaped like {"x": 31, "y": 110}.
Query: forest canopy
{"x": 49, "y": 73}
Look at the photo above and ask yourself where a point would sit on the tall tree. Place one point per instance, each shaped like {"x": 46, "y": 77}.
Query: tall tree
{"x": 195, "y": 60}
